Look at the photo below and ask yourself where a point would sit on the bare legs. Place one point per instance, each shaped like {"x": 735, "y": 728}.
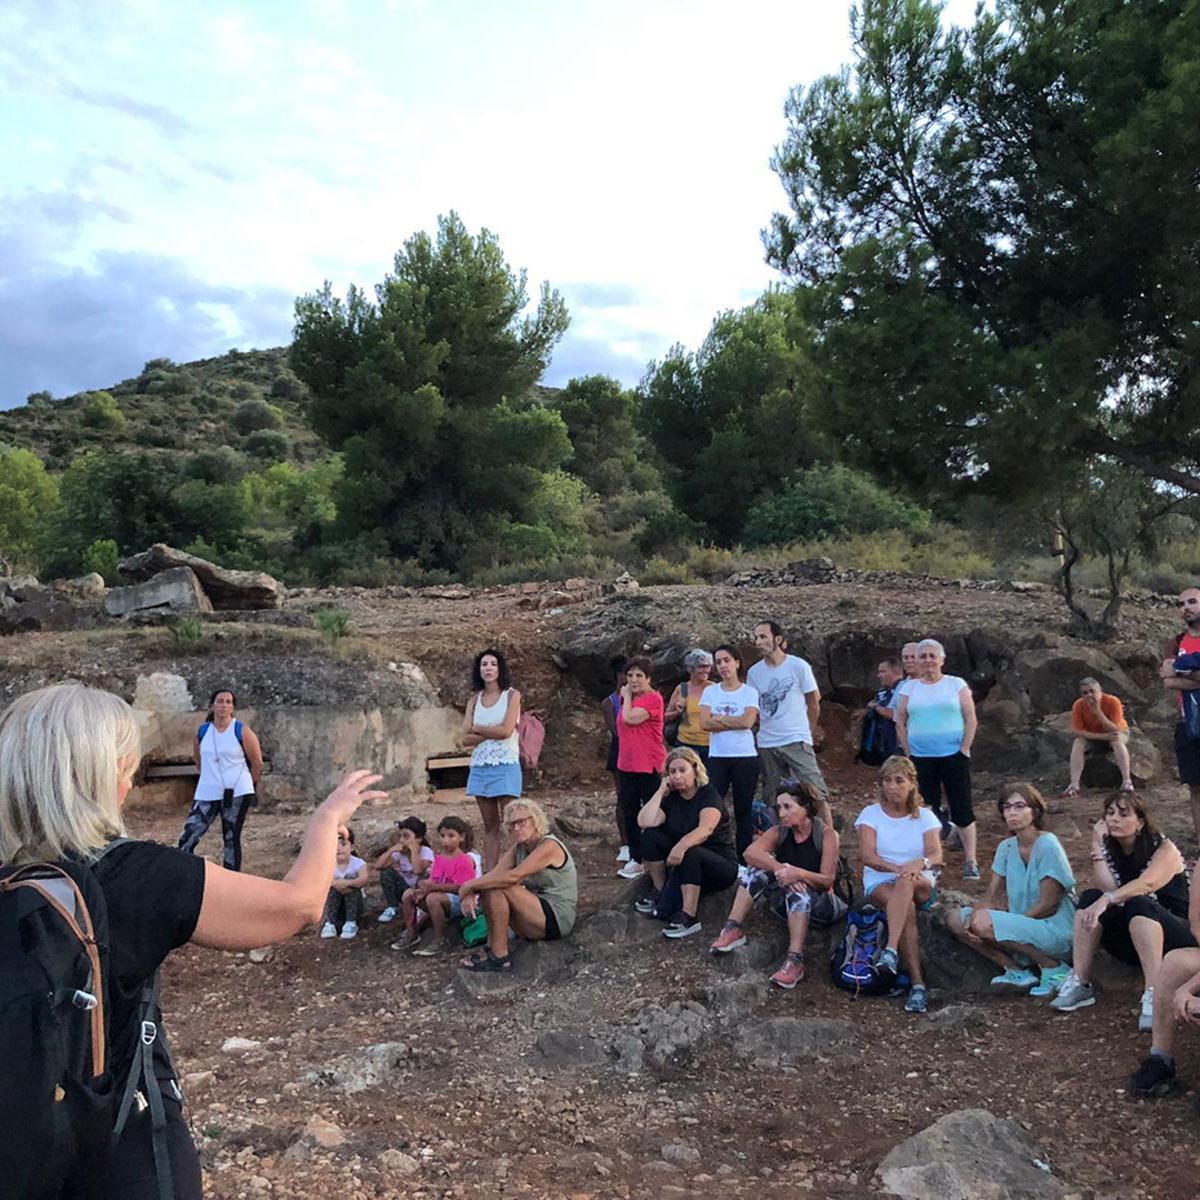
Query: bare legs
{"x": 1176, "y": 969}
{"x": 985, "y": 943}
{"x": 516, "y": 906}
{"x": 900, "y": 899}
{"x": 491, "y": 812}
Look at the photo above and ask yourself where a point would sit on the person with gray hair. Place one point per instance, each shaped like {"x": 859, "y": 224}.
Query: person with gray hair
{"x": 682, "y": 717}
{"x": 935, "y": 725}
{"x": 1099, "y": 725}
{"x": 68, "y": 755}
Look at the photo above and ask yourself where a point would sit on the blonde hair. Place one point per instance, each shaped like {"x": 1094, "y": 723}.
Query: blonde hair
{"x": 536, "y": 812}
{"x": 60, "y": 750}
{"x": 898, "y": 764}
{"x": 690, "y": 756}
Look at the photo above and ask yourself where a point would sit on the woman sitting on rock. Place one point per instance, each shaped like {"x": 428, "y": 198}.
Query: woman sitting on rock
{"x": 686, "y": 840}
{"x": 532, "y": 889}
{"x": 68, "y": 755}
{"x": 1139, "y": 909}
{"x": 1027, "y": 914}
{"x": 792, "y": 864}
{"x": 900, "y": 845}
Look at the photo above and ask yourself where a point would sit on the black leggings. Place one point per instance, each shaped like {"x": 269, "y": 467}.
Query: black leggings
{"x": 233, "y": 810}
{"x": 742, "y": 774}
{"x": 1114, "y": 926}
{"x": 701, "y": 867}
{"x": 636, "y": 788}
{"x": 952, "y": 772}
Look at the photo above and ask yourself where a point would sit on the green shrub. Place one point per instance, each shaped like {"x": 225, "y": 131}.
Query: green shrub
{"x": 39, "y": 399}
{"x": 269, "y": 445}
{"x": 834, "y": 501}
{"x": 334, "y": 623}
{"x": 662, "y": 570}
{"x": 252, "y": 415}
{"x": 102, "y": 556}
{"x": 710, "y": 563}
{"x": 101, "y": 412}
{"x": 187, "y": 633}
{"x": 286, "y": 387}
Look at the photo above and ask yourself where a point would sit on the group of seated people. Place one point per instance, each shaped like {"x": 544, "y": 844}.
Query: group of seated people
{"x": 532, "y": 890}
{"x": 1029, "y": 922}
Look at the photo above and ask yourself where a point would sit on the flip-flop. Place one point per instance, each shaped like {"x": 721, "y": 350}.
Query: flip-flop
{"x": 1069, "y": 793}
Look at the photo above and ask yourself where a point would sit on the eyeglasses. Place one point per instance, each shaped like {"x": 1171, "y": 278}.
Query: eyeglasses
{"x": 1015, "y": 806}
{"x": 517, "y": 821}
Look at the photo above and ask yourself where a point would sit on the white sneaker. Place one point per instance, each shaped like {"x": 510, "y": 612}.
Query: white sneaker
{"x": 349, "y": 930}
{"x": 388, "y": 914}
{"x": 631, "y": 870}
{"x": 329, "y": 929}
{"x": 623, "y": 854}
{"x": 1146, "y": 1016}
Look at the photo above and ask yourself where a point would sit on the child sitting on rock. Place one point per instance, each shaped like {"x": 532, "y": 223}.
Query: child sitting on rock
{"x": 438, "y": 895}
{"x": 344, "y": 904}
{"x": 403, "y": 864}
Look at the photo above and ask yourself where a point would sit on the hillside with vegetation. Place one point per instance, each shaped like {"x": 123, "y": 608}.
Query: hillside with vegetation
{"x": 980, "y": 361}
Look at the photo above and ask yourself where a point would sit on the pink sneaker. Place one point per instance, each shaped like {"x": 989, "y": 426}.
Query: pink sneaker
{"x": 790, "y": 973}
{"x": 732, "y": 936}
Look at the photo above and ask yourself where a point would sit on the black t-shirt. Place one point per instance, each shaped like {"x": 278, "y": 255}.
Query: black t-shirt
{"x": 153, "y": 894}
{"x": 682, "y": 817}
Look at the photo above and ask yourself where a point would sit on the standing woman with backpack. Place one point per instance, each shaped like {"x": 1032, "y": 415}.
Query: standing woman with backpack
{"x": 68, "y": 754}
{"x": 900, "y": 844}
{"x": 229, "y": 759}
{"x": 490, "y": 730}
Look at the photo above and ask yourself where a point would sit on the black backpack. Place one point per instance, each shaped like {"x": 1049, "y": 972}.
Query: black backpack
{"x": 56, "y": 1085}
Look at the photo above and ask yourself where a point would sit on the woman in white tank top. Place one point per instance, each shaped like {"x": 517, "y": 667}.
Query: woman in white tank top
{"x": 490, "y": 730}
{"x": 229, "y": 758}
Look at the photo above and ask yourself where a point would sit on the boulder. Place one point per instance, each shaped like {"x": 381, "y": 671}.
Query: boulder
{"x": 84, "y": 587}
{"x": 670, "y": 1034}
{"x": 569, "y": 1048}
{"x": 28, "y": 609}
{"x": 1051, "y": 677}
{"x": 176, "y": 591}
{"x": 948, "y": 964}
{"x": 786, "y": 1041}
{"x": 385, "y": 1063}
{"x": 163, "y": 692}
{"x": 1055, "y": 737}
{"x": 227, "y": 589}
{"x": 969, "y": 1153}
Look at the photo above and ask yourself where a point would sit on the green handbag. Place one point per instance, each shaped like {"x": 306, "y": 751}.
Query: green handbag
{"x": 475, "y": 931}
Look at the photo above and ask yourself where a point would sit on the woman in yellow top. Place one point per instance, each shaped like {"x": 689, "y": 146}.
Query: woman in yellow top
{"x": 684, "y": 705}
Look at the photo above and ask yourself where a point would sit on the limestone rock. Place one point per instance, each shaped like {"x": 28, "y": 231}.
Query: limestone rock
{"x": 163, "y": 692}
{"x": 969, "y": 1153}
{"x": 176, "y": 590}
{"x": 680, "y": 1154}
{"x": 670, "y": 1033}
{"x": 226, "y": 589}
{"x": 373, "y": 1066}
{"x": 625, "y": 583}
{"x": 785, "y": 1041}
{"x": 399, "y": 1163}
{"x": 85, "y": 587}
{"x": 239, "y": 1045}
{"x": 320, "y": 1132}
{"x": 26, "y": 606}
{"x": 1051, "y": 677}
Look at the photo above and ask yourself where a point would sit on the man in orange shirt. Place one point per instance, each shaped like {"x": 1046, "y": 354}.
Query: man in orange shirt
{"x": 1099, "y": 725}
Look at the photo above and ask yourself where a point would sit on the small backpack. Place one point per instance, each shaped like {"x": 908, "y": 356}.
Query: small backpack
{"x": 854, "y": 962}
{"x": 237, "y": 731}
{"x": 56, "y": 1085}
{"x": 531, "y": 736}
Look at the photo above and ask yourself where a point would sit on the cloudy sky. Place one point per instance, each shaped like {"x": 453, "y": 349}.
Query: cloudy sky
{"x": 174, "y": 174}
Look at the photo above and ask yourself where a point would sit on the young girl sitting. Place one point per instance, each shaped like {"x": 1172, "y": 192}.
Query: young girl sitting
{"x": 438, "y": 895}
{"x": 403, "y": 864}
{"x": 344, "y": 904}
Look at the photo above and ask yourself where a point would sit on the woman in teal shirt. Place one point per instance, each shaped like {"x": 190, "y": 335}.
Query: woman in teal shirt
{"x": 1028, "y": 912}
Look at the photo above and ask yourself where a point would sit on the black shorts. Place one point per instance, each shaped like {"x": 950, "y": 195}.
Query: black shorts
{"x": 952, "y": 773}
{"x": 553, "y": 933}
{"x": 1187, "y": 755}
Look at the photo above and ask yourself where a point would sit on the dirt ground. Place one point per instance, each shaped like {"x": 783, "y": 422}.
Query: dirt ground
{"x": 482, "y": 1115}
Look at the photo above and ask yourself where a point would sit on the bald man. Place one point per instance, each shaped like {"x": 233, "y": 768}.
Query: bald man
{"x": 1183, "y": 676}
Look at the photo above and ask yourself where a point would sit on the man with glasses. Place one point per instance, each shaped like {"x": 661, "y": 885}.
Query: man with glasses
{"x": 1181, "y": 673}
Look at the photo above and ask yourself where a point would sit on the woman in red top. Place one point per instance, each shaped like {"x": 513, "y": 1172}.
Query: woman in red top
{"x": 641, "y": 751}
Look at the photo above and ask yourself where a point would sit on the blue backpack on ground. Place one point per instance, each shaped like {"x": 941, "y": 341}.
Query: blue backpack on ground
{"x": 854, "y": 961}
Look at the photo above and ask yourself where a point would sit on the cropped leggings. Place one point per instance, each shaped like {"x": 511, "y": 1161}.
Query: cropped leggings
{"x": 701, "y": 867}
{"x": 1114, "y": 925}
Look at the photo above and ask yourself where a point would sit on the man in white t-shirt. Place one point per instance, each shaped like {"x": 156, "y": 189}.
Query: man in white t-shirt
{"x": 788, "y": 712}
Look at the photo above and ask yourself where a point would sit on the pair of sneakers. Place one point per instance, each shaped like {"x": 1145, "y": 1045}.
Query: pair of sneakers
{"x": 349, "y": 930}
{"x": 1075, "y": 994}
{"x": 918, "y": 994}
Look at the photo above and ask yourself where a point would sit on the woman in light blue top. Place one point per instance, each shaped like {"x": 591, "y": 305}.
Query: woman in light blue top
{"x": 1028, "y": 913}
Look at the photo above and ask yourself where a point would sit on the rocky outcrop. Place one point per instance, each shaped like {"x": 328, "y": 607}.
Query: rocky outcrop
{"x": 973, "y": 1154}
{"x": 27, "y": 606}
{"x": 174, "y": 591}
{"x": 1055, "y": 737}
{"x": 227, "y": 589}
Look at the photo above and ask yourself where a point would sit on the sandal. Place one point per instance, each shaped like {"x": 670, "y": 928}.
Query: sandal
{"x": 474, "y": 957}
{"x": 1069, "y": 792}
{"x": 1128, "y": 787}
{"x": 490, "y": 962}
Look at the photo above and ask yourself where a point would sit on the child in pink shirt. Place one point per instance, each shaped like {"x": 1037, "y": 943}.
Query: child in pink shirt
{"x": 438, "y": 894}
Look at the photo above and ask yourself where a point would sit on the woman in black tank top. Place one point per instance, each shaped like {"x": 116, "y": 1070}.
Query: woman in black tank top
{"x": 791, "y": 864}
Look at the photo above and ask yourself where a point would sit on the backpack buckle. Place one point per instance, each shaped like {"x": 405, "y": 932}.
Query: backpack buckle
{"x": 149, "y": 1033}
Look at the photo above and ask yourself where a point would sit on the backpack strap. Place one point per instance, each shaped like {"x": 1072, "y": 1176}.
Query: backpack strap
{"x": 237, "y": 730}
{"x": 203, "y": 730}
{"x": 818, "y": 834}
{"x": 142, "y": 1080}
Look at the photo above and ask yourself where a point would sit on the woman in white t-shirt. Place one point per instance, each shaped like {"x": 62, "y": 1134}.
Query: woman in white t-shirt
{"x": 900, "y": 845}
{"x": 728, "y": 711}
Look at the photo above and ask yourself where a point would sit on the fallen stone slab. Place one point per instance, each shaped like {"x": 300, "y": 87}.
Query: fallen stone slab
{"x": 786, "y": 1041}
{"x": 226, "y": 588}
{"x": 969, "y": 1153}
{"x": 177, "y": 591}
